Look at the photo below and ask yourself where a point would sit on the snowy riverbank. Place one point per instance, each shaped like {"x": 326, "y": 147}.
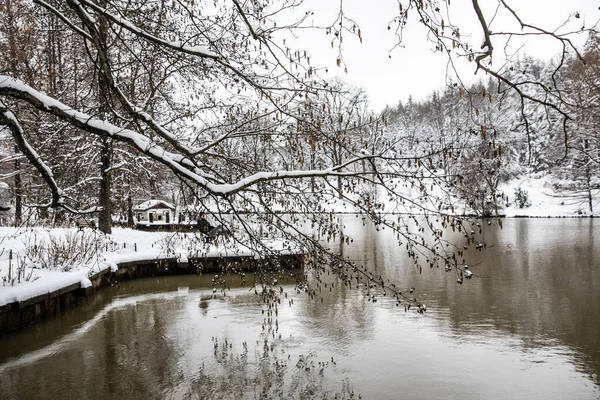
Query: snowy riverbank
{"x": 33, "y": 260}
{"x": 546, "y": 201}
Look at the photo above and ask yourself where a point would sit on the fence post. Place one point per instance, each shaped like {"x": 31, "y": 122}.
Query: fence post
{"x": 10, "y": 264}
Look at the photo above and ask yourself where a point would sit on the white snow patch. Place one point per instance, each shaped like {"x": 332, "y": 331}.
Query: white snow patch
{"x": 85, "y": 283}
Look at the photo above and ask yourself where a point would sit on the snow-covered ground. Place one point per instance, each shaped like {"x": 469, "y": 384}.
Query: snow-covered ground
{"x": 546, "y": 201}
{"x": 32, "y": 261}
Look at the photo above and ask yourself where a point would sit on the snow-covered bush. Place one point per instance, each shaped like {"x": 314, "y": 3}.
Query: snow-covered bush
{"x": 522, "y": 198}
{"x": 12, "y": 270}
{"x": 65, "y": 251}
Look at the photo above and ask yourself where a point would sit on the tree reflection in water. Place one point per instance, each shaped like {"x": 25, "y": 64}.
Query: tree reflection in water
{"x": 267, "y": 372}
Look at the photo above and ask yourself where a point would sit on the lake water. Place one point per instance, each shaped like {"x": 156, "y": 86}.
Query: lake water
{"x": 528, "y": 328}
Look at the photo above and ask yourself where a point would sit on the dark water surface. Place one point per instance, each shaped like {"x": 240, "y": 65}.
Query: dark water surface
{"x": 529, "y": 328}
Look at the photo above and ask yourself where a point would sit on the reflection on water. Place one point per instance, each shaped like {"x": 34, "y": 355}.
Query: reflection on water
{"x": 529, "y": 328}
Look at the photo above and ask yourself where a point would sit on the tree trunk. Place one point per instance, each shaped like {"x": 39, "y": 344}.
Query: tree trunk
{"x": 129, "y": 212}
{"x": 337, "y": 160}
{"x": 105, "y": 213}
{"x": 14, "y": 57}
{"x": 588, "y": 179}
{"x": 18, "y": 190}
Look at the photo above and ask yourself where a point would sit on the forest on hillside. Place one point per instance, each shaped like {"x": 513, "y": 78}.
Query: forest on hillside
{"x": 487, "y": 133}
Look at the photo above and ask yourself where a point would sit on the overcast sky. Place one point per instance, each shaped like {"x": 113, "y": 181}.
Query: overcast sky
{"x": 415, "y": 69}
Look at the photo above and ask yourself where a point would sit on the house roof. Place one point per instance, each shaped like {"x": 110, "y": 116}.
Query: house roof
{"x": 152, "y": 204}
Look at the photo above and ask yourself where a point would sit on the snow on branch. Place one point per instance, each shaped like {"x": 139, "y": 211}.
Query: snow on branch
{"x": 157, "y": 127}
{"x": 8, "y": 118}
{"x": 63, "y": 18}
{"x": 182, "y": 166}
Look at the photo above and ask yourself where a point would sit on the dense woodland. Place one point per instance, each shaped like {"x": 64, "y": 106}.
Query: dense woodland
{"x": 104, "y": 103}
{"x": 487, "y": 134}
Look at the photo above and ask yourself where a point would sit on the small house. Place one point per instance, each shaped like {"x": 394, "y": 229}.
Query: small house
{"x": 154, "y": 212}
